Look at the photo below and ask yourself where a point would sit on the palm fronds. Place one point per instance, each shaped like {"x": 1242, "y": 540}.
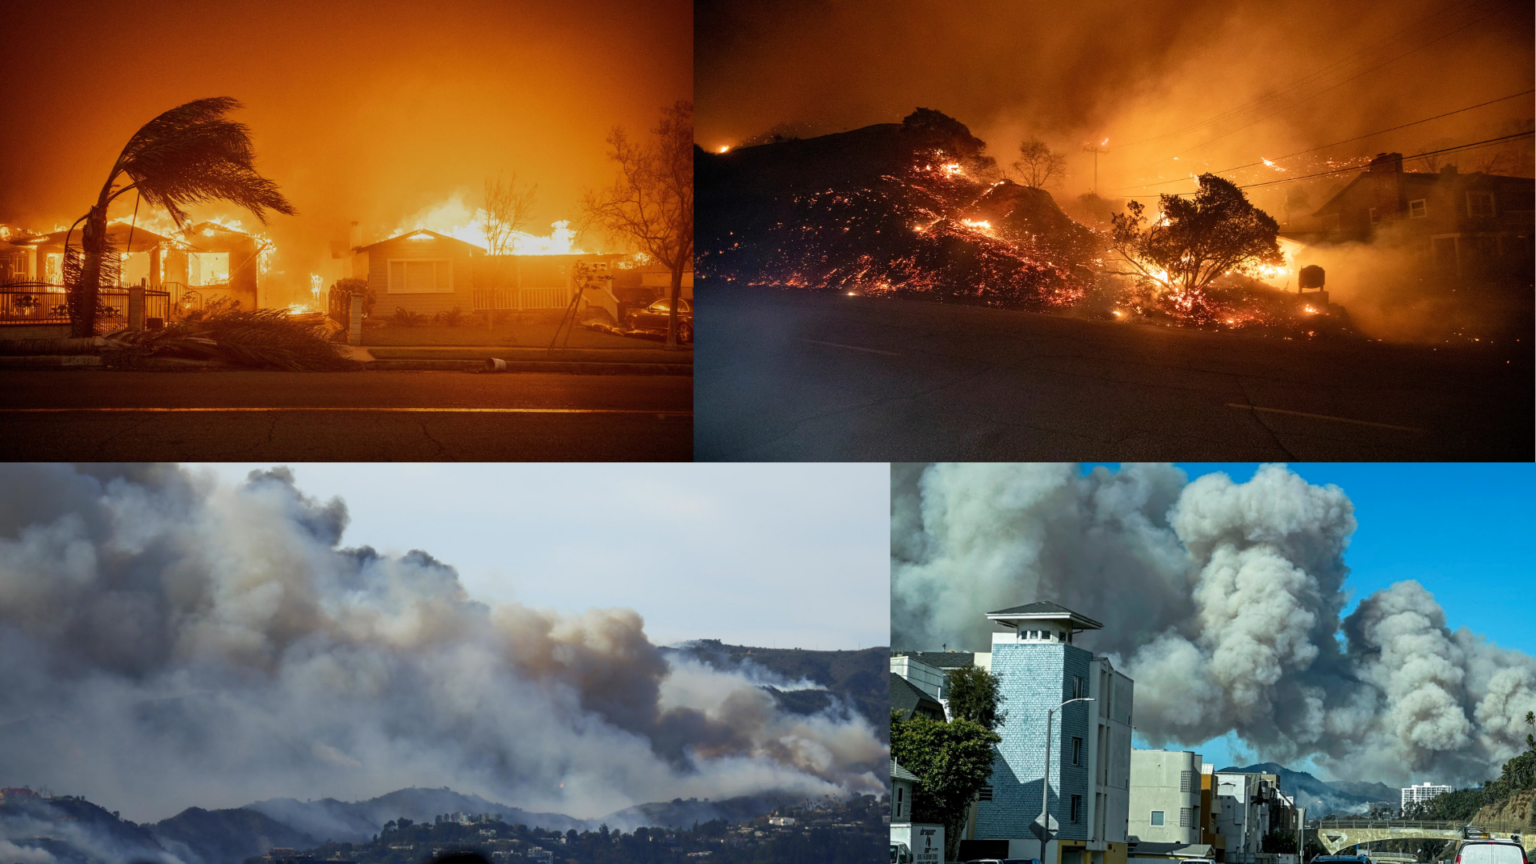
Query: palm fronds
{"x": 193, "y": 153}
{"x": 263, "y": 339}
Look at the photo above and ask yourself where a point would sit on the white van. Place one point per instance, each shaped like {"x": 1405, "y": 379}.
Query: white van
{"x": 1491, "y": 852}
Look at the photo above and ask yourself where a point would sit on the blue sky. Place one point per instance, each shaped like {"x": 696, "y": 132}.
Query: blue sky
{"x": 1464, "y": 531}
{"x": 774, "y": 555}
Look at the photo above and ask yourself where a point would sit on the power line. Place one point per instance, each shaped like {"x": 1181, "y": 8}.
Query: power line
{"x": 1361, "y": 74}
{"x": 1403, "y": 34}
{"x": 1355, "y": 167}
{"x": 1345, "y": 141}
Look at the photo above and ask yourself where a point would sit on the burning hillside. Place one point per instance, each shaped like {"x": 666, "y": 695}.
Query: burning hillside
{"x": 919, "y": 210}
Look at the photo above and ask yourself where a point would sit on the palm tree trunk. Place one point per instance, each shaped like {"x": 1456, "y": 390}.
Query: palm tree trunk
{"x": 93, "y": 246}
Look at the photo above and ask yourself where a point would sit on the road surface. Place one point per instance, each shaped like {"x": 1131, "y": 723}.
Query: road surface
{"x": 365, "y": 416}
{"x": 784, "y": 375}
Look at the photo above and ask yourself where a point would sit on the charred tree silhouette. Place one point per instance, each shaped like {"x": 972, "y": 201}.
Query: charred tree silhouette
{"x": 190, "y": 153}
{"x": 651, "y": 202}
{"x": 508, "y": 207}
{"x": 1196, "y": 240}
{"x": 1038, "y": 165}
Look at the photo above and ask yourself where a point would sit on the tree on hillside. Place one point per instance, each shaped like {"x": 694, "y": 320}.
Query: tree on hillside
{"x": 974, "y": 695}
{"x": 1195, "y": 241}
{"x": 507, "y": 208}
{"x": 190, "y": 153}
{"x": 952, "y": 762}
{"x": 651, "y": 202}
{"x": 1039, "y": 166}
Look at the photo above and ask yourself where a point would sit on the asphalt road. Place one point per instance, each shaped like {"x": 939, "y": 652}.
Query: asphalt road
{"x": 365, "y": 416}
{"x": 786, "y": 375}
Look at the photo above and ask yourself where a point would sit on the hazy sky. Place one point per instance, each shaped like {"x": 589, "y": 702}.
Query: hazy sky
{"x": 1276, "y": 77}
{"x": 366, "y": 111}
{"x": 785, "y": 555}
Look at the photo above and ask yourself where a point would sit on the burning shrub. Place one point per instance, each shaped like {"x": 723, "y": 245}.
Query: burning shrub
{"x": 263, "y": 339}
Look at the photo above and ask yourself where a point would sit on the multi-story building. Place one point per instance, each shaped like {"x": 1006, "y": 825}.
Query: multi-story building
{"x": 1039, "y": 668}
{"x": 1165, "y": 797}
{"x": 1420, "y": 793}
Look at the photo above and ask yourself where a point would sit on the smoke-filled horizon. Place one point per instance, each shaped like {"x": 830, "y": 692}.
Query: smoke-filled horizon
{"x": 1223, "y": 601}
{"x": 1147, "y": 78}
{"x": 374, "y": 112}
{"x": 174, "y": 641}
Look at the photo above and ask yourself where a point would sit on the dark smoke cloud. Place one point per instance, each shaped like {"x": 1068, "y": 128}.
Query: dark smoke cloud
{"x": 1077, "y": 73}
{"x": 1222, "y": 600}
{"x": 368, "y": 111}
{"x": 171, "y": 642}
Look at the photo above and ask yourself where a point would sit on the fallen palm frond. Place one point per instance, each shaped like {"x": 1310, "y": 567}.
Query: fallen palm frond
{"x": 263, "y": 339}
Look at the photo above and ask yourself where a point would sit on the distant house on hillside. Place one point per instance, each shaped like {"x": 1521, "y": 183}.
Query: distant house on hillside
{"x": 1472, "y": 227}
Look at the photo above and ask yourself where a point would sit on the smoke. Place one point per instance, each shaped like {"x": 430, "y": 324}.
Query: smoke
{"x": 1223, "y": 600}
{"x": 171, "y": 641}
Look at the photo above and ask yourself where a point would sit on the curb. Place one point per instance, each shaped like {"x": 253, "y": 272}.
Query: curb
{"x": 49, "y": 361}
{"x": 556, "y": 366}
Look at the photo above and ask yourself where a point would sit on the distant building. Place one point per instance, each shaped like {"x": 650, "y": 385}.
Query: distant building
{"x": 1421, "y": 793}
{"x": 1248, "y": 807}
{"x": 1165, "y": 796}
{"x": 910, "y": 701}
{"x": 783, "y": 821}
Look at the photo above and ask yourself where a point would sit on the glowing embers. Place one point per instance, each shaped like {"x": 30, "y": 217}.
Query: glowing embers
{"x": 984, "y": 226}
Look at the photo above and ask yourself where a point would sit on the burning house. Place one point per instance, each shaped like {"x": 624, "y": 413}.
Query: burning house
{"x": 1472, "y": 227}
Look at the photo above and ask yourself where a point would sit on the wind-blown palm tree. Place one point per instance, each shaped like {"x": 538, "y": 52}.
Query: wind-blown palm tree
{"x": 188, "y": 154}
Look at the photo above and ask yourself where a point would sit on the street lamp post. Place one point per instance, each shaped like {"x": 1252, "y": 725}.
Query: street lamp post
{"x": 1045, "y": 779}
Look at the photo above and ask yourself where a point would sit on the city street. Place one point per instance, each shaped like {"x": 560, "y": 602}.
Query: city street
{"x": 362, "y": 416}
{"x": 814, "y": 376}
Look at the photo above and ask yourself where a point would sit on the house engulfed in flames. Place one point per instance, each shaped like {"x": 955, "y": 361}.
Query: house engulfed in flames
{"x": 207, "y": 262}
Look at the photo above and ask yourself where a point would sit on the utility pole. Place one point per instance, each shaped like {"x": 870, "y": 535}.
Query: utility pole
{"x": 1045, "y": 779}
{"x": 1095, "y": 150}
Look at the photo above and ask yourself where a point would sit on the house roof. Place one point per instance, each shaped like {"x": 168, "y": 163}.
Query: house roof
{"x": 143, "y": 240}
{"x": 906, "y": 698}
{"x": 1044, "y": 611}
{"x": 1474, "y": 181}
{"x": 900, "y": 773}
{"x": 420, "y": 231}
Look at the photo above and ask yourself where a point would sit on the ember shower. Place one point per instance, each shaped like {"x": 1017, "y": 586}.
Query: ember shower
{"x": 1222, "y": 600}
{"x": 170, "y": 641}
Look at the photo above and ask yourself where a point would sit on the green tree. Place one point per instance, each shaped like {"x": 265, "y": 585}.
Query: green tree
{"x": 190, "y": 153}
{"x": 1195, "y": 241}
{"x": 973, "y": 694}
{"x": 952, "y": 762}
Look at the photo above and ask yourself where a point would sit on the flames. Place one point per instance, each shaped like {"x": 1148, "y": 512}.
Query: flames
{"x": 453, "y": 218}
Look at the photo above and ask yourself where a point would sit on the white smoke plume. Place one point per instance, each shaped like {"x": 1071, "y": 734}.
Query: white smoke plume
{"x": 169, "y": 641}
{"x": 1222, "y": 600}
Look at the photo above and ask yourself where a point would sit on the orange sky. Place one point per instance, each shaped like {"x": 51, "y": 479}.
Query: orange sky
{"x": 366, "y": 111}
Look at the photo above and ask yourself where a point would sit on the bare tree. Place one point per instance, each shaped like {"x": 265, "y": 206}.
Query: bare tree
{"x": 508, "y": 207}
{"x": 650, "y": 204}
{"x": 1038, "y": 165}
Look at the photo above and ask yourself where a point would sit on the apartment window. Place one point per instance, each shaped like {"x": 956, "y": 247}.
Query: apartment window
{"x": 1077, "y": 751}
{"x": 1157, "y": 818}
{"x": 1417, "y": 209}
{"x": 1374, "y": 217}
{"x": 1186, "y": 781}
{"x": 985, "y": 794}
{"x": 1077, "y": 808}
{"x": 416, "y": 276}
{"x": 1079, "y": 687}
{"x": 1480, "y": 204}
{"x": 1186, "y": 817}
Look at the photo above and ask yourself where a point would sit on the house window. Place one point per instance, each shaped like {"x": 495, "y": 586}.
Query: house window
{"x": 1077, "y": 751}
{"x": 1157, "y": 818}
{"x": 418, "y": 276}
{"x": 1374, "y": 217}
{"x": 900, "y": 792}
{"x": 1077, "y": 808}
{"x": 1480, "y": 205}
{"x": 985, "y": 794}
{"x": 1417, "y": 209}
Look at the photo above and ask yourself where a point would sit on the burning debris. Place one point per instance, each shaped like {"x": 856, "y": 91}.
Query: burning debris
{"x": 918, "y": 210}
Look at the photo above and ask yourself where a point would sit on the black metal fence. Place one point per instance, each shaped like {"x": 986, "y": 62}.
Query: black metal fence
{"x": 41, "y": 303}
{"x": 338, "y": 307}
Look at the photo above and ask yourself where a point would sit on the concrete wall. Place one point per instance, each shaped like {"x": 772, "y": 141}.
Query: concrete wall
{"x": 1166, "y": 780}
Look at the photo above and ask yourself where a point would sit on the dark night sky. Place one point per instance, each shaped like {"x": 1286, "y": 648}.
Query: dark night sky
{"x": 369, "y": 111}
{"x": 1088, "y": 70}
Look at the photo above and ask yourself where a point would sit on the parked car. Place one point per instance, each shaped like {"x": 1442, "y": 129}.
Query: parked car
{"x": 654, "y": 318}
